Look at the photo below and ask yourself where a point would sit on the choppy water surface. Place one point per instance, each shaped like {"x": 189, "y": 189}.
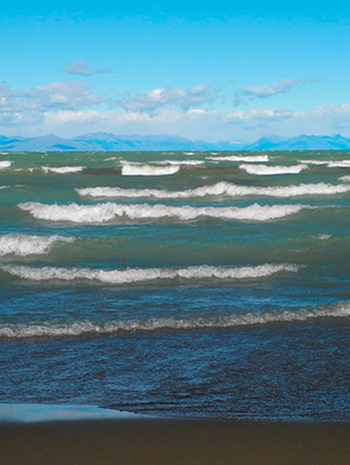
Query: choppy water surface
{"x": 177, "y": 284}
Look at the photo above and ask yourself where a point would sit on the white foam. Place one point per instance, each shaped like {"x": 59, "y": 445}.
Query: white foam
{"x": 314, "y": 162}
{"x": 242, "y": 158}
{"x": 264, "y": 170}
{"x": 148, "y": 170}
{"x": 219, "y": 189}
{"x": 62, "y": 169}
{"x": 135, "y": 275}
{"x": 104, "y": 212}
{"x": 188, "y": 153}
{"x": 324, "y": 237}
{"x": 345, "y": 179}
{"x": 5, "y": 164}
{"x": 4, "y": 187}
{"x": 81, "y": 328}
{"x": 339, "y": 164}
{"x": 23, "y": 245}
{"x": 179, "y": 162}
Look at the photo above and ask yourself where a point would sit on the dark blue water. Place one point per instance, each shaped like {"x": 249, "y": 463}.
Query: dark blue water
{"x": 215, "y": 291}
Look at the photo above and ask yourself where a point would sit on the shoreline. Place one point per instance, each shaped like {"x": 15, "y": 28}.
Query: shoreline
{"x": 154, "y": 441}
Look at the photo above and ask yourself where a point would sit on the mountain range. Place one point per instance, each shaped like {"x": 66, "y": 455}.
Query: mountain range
{"x": 105, "y": 141}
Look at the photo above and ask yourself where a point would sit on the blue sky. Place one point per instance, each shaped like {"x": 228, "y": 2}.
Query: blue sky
{"x": 224, "y": 70}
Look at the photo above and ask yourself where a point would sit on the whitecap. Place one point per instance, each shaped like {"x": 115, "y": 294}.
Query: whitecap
{"x": 62, "y": 169}
{"x": 219, "y": 189}
{"x": 148, "y": 170}
{"x": 339, "y": 164}
{"x": 252, "y": 318}
{"x": 314, "y": 162}
{"x": 345, "y": 179}
{"x": 264, "y": 170}
{"x": 104, "y": 212}
{"x": 24, "y": 245}
{"x": 180, "y": 162}
{"x": 242, "y": 158}
{"x": 5, "y": 164}
{"x": 135, "y": 275}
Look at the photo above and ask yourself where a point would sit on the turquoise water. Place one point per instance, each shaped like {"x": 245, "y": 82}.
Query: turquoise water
{"x": 177, "y": 283}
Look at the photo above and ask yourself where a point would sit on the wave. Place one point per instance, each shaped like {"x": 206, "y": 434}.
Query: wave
{"x": 135, "y": 275}
{"x": 180, "y": 162}
{"x": 188, "y": 153}
{"x": 23, "y": 245}
{"x": 4, "y": 164}
{"x": 264, "y": 170}
{"x": 86, "y": 328}
{"x": 242, "y": 158}
{"x": 219, "y": 189}
{"x": 103, "y": 212}
{"x": 313, "y": 162}
{"x": 148, "y": 170}
{"x": 339, "y": 164}
{"x": 62, "y": 169}
{"x": 345, "y": 179}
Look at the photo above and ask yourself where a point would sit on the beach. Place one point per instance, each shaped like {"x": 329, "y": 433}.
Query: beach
{"x": 174, "y": 442}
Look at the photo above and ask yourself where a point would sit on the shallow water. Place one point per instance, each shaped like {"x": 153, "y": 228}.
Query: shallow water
{"x": 212, "y": 285}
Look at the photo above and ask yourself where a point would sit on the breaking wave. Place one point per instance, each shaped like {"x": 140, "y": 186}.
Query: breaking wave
{"x": 91, "y": 328}
{"x": 242, "y": 158}
{"x": 104, "y": 212}
{"x": 135, "y": 275}
{"x": 264, "y": 170}
{"x": 148, "y": 170}
{"x": 314, "y": 162}
{"x": 62, "y": 169}
{"x": 219, "y": 189}
{"x": 339, "y": 164}
{"x": 23, "y": 245}
{"x": 180, "y": 162}
{"x": 4, "y": 164}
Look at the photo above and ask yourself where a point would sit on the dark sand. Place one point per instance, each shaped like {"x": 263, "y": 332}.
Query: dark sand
{"x": 168, "y": 442}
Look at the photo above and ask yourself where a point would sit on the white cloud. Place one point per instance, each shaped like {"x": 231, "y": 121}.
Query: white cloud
{"x": 184, "y": 98}
{"x": 83, "y": 68}
{"x": 70, "y": 108}
{"x": 30, "y": 105}
{"x": 248, "y": 93}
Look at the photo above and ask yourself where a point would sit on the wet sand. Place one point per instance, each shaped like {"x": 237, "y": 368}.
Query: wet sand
{"x": 168, "y": 442}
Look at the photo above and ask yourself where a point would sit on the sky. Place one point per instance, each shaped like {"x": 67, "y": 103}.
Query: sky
{"x": 218, "y": 70}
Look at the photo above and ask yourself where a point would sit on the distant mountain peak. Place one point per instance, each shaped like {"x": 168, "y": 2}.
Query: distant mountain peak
{"x": 103, "y": 141}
